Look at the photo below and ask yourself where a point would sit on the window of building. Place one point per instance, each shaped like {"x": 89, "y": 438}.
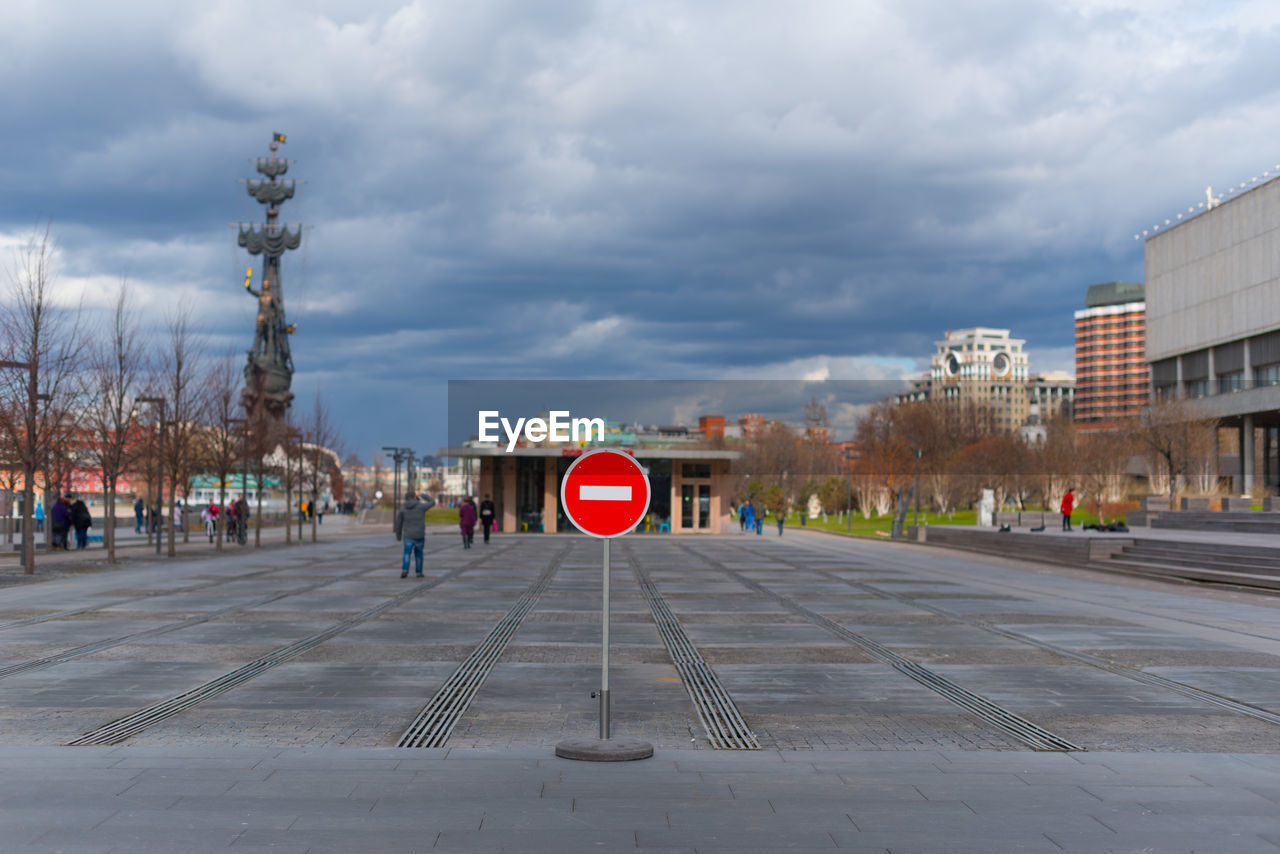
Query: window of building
{"x": 690, "y": 470}
{"x": 1267, "y": 374}
{"x": 1231, "y": 382}
{"x": 1197, "y": 388}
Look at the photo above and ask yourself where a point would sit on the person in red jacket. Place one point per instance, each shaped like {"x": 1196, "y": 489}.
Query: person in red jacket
{"x": 1068, "y": 503}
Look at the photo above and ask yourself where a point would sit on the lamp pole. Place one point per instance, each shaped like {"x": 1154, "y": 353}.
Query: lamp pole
{"x": 159, "y": 470}
{"x": 916, "y": 489}
{"x": 395, "y": 487}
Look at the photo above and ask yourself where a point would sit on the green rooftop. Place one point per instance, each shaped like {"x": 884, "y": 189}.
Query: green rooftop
{"x": 1114, "y": 293}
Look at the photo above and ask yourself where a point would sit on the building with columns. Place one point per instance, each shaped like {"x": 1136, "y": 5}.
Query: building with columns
{"x": 688, "y": 486}
{"x": 1213, "y": 320}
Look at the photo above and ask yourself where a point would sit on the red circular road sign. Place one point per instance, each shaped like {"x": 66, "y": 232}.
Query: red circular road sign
{"x": 605, "y": 493}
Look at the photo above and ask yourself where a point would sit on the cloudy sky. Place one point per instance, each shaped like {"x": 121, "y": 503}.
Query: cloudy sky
{"x": 612, "y": 189}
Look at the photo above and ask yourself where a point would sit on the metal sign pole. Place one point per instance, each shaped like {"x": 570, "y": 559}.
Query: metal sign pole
{"x": 604, "y": 651}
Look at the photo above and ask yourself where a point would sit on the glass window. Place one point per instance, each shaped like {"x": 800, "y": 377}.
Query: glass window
{"x": 1267, "y": 374}
{"x": 696, "y": 470}
{"x": 1228, "y": 383}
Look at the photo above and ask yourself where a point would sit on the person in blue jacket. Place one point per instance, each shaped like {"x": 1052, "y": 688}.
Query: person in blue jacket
{"x": 748, "y": 512}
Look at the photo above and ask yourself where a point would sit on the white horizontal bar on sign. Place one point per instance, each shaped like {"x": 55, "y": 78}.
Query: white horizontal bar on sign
{"x": 604, "y": 493}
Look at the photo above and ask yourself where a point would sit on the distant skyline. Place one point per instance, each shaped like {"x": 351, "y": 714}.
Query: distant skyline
{"x": 676, "y": 190}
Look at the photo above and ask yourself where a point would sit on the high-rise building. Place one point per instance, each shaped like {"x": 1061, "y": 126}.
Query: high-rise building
{"x": 986, "y": 367}
{"x": 1112, "y": 376}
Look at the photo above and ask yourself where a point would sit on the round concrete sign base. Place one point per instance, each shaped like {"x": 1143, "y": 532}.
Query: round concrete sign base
{"x": 604, "y": 749}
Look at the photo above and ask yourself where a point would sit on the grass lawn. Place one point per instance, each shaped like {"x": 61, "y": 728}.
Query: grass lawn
{"x": 876, "y": 526}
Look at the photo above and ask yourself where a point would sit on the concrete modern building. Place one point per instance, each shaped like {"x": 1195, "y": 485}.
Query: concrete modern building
{"x": 986, "y": 367}
{"x": 1112, "y": 376}
{"x": 1213, "y": 318}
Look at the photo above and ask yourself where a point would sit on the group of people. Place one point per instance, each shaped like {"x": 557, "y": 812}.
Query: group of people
{"x": 237, "y": 513}
{"x": 67, "y": 514}
{"x": 411, "y": 526}
{"x": 749, "y": 519}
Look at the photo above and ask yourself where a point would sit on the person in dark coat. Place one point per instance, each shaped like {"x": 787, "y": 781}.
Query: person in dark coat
{"x": 488, "y": 515}
{"x": 139, "y": 510}
{"x": 59, "y": 522}
{"x": 411, "y": 526}
{"x": 82, "y": 521}
{"x": 467, "y": 521}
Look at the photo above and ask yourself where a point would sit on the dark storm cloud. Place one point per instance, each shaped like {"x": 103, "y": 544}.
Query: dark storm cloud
{"x": 601, "y": 189}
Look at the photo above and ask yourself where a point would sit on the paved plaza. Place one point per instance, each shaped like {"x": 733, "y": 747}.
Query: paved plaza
{"x": 890, "y": 697}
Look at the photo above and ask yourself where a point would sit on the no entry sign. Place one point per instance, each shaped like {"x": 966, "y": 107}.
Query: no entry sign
{"x": 605, "y": 493}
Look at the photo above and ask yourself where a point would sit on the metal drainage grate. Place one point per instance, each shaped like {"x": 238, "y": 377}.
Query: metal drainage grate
{"x": 118, "y": 730}
{"x": 1015, "y": 725}
{"x": 723, "y": 723}
{"x": 1151, "y": 679}
{"x": 434, "y": 724}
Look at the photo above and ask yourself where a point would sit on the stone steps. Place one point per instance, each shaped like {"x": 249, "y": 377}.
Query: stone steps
{"x": 1249, "y": 523}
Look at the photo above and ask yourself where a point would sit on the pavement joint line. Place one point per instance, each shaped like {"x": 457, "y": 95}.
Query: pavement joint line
{"x": 721, "y": 720}
{"x": 122, "y": 728}
{"x": 813, "y": 541}
{"x": 984, "y": 709}
{"x": 1152, "y": 679}
{"x": 111, "y": 643}
{"x": 294, "y": 563}
{"x": 435, "y": 722}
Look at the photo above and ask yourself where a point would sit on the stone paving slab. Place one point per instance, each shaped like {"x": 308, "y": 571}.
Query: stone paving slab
{"x": 389, "y": 799}
{"x": 858, "y": 756}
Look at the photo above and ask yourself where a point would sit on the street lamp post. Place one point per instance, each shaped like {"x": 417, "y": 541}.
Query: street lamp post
{"x": 159, "y": 470}
{"x": 395, "y": 480}
{"x": 917, "y": 490}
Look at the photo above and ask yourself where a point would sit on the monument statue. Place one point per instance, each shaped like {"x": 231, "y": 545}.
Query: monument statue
{"x": 269, "y": 371}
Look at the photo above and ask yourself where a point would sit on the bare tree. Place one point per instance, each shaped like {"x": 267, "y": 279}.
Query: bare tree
{"x": 321, "y": 430}
{"x": 1178, "y": 433}
{"x": 222, "y": 440}
{"x": 41, "y": 350}
{"x": 115, "y": 368}
{"x": 1055, "y": 462}
{"x": 1103, "y": 468}
{"x": 180, "y": 378}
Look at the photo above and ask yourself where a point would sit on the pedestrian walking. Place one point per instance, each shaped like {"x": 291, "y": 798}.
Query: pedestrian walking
{"x": 40, "y": 517}
{"x": 488, "y": 514}
{"x": 177, "y": 516}
{"x": 782, "y": 517}
{"x": 139, "y": 511}
{"x": 467, "y": 521}
{"x": 411, "y": 527}
{"x": 1068, "y": 503}
{"x": 59, "y": 522}
{"x": 748, "y": 514}
{"x": 82, "y": 521}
